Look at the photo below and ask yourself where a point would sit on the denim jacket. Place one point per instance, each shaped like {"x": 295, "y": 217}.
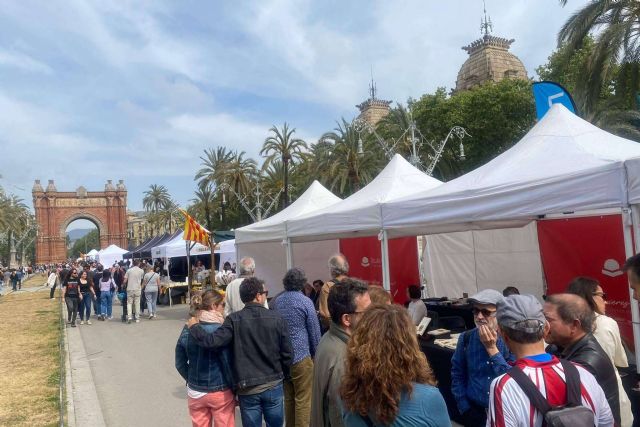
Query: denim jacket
{"x": 203, "y": 369}
{"x": 260, "y": 342}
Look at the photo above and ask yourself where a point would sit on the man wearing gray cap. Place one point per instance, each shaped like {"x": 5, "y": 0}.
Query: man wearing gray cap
{"x": 480, "y": 356}
{"x": 523, "y": 326}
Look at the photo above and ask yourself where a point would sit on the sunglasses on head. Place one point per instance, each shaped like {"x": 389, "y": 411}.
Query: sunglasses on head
{"x": 485, "y": 312}
{"x": 602, "y": 295}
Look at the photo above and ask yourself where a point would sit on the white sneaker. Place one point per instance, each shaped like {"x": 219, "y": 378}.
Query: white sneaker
{"x": 82, "y": 322}
{"x": 137, "y": 320}
{"x": 88, "y": 322}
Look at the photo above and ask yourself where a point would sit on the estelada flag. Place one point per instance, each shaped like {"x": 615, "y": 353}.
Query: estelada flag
{"x": 193, "y": 231}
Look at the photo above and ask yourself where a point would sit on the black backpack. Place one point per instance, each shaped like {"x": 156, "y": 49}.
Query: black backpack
{"x": 570, "y": 415}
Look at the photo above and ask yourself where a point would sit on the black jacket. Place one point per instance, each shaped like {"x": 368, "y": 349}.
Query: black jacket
{"x": 260, "y": 342}
{"x": 589, "y": 354}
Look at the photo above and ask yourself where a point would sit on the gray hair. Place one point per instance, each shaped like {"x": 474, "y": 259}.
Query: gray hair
{"x": 247, "y": 266}
{"x": 338, "y": 265}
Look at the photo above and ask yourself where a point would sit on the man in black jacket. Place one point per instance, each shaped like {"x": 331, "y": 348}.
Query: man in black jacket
{"x": 262, "y": 354}
{"x": 571, "y": 322}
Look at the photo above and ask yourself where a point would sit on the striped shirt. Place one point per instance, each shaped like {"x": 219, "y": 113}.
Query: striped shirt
{"x": 510, "y": 406}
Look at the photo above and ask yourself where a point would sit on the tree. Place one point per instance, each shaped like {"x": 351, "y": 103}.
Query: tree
{"x": 84, "y": 244}
{"x": 206, "y": 204}
{"x": 155, "y": 200}
{"x": 282, "y": 144}
{"x": 213, "y": 165}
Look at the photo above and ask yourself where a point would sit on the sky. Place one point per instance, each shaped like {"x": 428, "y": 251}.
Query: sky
{"x": 136, "y": 90}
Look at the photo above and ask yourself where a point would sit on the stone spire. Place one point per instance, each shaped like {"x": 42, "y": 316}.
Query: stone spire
{"x": 37, "y": 187}
{"x": 373, "y": 109}
{"x": 51, "y": 187}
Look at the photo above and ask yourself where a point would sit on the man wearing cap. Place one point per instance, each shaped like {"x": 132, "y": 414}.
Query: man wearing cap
{"x": 570, "y": 324}
{"x": 480, "y": 356}
{"x": 522, "y": 325}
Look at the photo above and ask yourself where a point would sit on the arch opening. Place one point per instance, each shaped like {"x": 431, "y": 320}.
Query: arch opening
{"x": 81, "y": 236}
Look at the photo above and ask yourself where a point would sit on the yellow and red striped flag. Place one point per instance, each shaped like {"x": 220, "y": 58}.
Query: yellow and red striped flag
{"x": 193, "y": 231}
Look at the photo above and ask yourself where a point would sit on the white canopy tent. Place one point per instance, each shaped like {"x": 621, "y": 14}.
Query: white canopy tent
{"x": 177, "y": 247}
{"x": 227, "y": 253}
{"x": 110, "y": 255}
{"x": 360, "y": 214}
{"x": 266, "y": 241}
{"x": 563, "y": 164}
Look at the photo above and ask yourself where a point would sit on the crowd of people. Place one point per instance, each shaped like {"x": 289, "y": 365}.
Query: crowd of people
{"x": 341, "y": 353}
{"x": 88, "y": 287}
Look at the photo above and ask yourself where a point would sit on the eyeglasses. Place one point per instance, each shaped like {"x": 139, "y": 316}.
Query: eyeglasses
{"x": 602, "y": 295}
{"x": 485, "y": 312}
{"x": 264, "y": 292}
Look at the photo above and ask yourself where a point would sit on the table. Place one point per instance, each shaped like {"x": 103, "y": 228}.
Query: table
{"x": 440, "y": 361}
{"x": 463, "y": 310}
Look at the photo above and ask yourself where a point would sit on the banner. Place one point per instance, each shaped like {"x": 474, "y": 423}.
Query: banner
{"x": 548, "y": 93}
{"x": 365, "y": 262}
{"x": 593, "y": 247}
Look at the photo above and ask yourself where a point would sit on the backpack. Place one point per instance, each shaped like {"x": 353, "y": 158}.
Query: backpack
{"x": 570, "y": 415}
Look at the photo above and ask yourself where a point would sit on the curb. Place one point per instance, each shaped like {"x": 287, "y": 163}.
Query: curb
{"x": 85, "y": 412}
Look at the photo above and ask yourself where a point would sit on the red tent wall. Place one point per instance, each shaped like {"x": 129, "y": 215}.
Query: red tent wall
{"x": 590, "y": 246}
{"x": 365, "y": 262}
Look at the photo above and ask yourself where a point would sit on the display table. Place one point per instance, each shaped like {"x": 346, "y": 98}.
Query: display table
{"x": 440, "y": 361}
{"x": 169, "y": 286}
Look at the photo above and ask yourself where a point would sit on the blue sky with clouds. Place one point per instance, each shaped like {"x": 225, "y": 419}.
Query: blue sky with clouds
{"x": 136, "y": 90}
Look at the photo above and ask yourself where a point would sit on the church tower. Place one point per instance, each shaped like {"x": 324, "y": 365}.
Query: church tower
{"x": 489, "y": 59}
{"x": 373, "y": 109}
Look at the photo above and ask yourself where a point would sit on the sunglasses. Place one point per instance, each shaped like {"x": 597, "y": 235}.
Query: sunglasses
{"x": 485, "y": 312}
{"x": 602, "y": 295}
{"x": 264, "y": 292}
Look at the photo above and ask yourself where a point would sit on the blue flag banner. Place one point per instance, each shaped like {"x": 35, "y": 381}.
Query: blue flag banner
{"x": 548, "y": 93}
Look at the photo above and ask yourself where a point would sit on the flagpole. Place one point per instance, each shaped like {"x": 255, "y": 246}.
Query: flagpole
{"x": 212, "y": 276}
{"x": 188, "y": 271}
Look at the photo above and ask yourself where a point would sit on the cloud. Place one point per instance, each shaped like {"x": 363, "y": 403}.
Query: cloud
{"x": 23, "y": 62}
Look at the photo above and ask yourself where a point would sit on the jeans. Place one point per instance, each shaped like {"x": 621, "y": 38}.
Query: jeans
{"x": 475, "y": 416}
{"x": 217, "y": 406}
{"x": 152, "y": 298}
{"x": 96, "y": 303}
{"x": 106, "y": 302}
{"x": 297, "y": 394}
{"x": 85, "y": 306}
{"x": 268, "y": 403}
{"x": 72, "y": 308}
{"x": 124, "y": 307}
{"x": 133, "y": 304}
{"x": 53, "y": 289}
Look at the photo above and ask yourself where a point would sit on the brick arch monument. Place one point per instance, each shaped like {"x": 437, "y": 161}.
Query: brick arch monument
{"x": 55, "y": 210}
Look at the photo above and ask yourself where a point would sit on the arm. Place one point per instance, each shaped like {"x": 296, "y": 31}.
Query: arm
{"x": 323, "y": 306}
{"x": 286, "y": 351}
{"x": 459, "y": 376}
{"x": 181, "y": 357}
{"x": 313, "y": 327}
{"x": 216, "y": 340}
{"x": 499, "y": 361}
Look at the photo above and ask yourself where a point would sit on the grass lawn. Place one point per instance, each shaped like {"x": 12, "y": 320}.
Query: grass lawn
{"x": 29, "y": 359}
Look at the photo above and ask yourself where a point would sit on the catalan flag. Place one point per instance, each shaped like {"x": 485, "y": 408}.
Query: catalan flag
{"x": 193, "y": 231}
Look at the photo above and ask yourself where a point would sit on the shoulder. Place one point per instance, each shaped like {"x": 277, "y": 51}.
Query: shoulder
{"x": 606, "y": 323}
{"x": 426, "y": 391}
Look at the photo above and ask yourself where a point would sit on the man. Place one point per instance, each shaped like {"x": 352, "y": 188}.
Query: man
{"x": 632, "y": 267}
{"x": 133, "y": 280}
{"x": 480, "y": 356}
{"x": 53, "y": 280}
{"x": 346, "y": 302}
{"x": 232, "y": 295}
{"x": 339, "y": 268}
{"x": 522, "y": 325}
{"x": 300, "y": 314}
{"x": 96, "y": 276}
{"x": 262, "y": 354}
{"x": 570, "y": 324}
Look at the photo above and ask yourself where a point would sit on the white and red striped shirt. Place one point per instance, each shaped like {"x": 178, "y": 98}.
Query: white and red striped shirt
{"x": 509, "y": 406}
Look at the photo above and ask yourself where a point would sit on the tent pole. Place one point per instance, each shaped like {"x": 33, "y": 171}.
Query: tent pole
{"x": 631, "y": 230}
{"x": 212, "y": 271}
{"x": 188, "y": 271}
{"x": 289, "y": 254}
{"x": 384, "y": 251}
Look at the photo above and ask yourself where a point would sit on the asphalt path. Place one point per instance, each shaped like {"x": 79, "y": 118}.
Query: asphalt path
{"x": 133, "y": 368}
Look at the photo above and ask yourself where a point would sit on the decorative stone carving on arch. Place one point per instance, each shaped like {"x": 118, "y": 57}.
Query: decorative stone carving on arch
{"x": 55, "y": 210}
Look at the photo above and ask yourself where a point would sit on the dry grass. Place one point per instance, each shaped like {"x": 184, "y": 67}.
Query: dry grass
{"x": 34, "y": 281}
{"x": 29, "y": 359}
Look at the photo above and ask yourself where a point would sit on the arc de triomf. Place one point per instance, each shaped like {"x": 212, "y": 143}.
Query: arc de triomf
{"x": 55, "y": 210}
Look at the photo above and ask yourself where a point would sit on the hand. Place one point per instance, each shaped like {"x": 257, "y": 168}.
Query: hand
{"x": 488, "y": 338}
{"x": 192, "y": 321}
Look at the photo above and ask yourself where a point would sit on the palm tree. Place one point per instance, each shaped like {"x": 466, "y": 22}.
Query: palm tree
{"x": 205, "y": 199}
{"x": 240, "y": 172}
{"x": 615, "y": 25}
{"x": 281, "y": 144}
{"x": 156, "y": 199}
{"x": 213, "y": 165}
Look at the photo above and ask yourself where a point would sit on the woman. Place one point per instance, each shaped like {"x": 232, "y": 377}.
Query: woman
{"x": 87, "y": 294}
{"x": 607, "y": 334}
{"x": 386, "y": 387}
{"x": 150, "y": 286}
{"x": 107, "y": 286}
{"x": 71, "y": 296}
{"x": 417, "y": 308}
{"x": 207, "y": 373}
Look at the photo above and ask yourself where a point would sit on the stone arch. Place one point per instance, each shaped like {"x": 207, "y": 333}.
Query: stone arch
{"x": 55, "y": 210}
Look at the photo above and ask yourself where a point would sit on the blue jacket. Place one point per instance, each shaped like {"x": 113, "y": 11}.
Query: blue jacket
{"x": 203, "y": 369}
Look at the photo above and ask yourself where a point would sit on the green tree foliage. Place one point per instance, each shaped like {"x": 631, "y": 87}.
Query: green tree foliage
{"x": 89, "y": 241}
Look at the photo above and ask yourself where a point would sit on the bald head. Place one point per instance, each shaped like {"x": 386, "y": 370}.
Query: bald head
{"x": 572, "y": 307}
{"x": 338, "y": 265}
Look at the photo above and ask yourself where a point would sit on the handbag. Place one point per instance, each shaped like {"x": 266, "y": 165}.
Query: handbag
{"x": 121, "y": 296}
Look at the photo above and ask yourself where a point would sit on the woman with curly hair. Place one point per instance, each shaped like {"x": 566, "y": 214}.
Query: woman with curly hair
{"x": 388, "y": 381}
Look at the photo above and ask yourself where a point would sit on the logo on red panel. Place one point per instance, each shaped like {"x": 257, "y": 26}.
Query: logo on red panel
{"x": 365, "y": 262}
{"x": 611, "y": 268}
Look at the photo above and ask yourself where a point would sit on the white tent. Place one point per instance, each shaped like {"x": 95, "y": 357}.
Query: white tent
{"x": 563, "y": 164}
{"x": 177, "y": 247}
{"x": 266, "y": 241}
{"x": 92, "y": 253}
{"x": 110, "y": 255}
{"x": 227, "y": 252}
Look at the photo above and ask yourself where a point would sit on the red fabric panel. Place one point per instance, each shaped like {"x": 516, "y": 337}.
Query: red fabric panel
{"x": 365, "y": 262}
{"x": 594, "y": 247}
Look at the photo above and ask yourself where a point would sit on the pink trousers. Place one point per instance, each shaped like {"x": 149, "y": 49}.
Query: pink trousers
{"x": 217, "y": 407}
